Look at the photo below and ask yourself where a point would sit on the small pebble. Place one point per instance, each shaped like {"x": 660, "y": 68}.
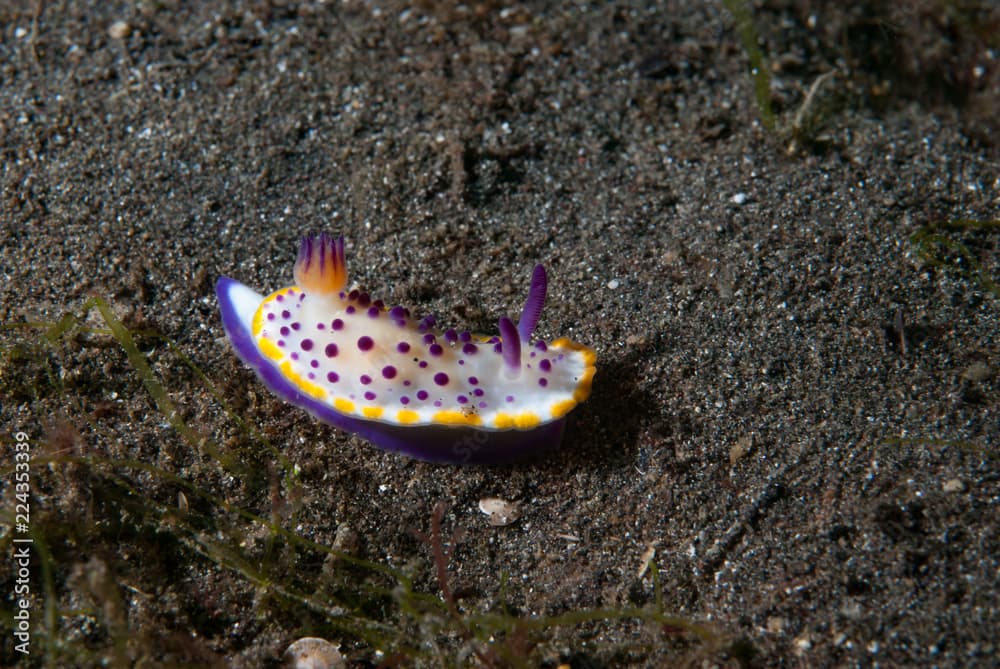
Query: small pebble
{"x": 953, "y": 485}
{"x": 613, "y": 284}
{"x": 500, "y": 512}
{"x": 119, "y": 30}
{"x": 313, "y": 653}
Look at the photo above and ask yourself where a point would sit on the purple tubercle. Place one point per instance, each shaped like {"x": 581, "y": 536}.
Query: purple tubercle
{"x": 373, "y": 312}
{"x": 451, "y": 336}
{"x": 365, "y": 379}
{"x": 330, "y": 350}
{"x": 532, "y": 310}
{"x": 441, "y": 379}
{"x": 389, "y": 372}
{"x": 337, "y": 324}
{"x": 469, "y": 348}
{"x": 403, "y": 347}
{"x": 365, "y": 343}
{"x": 435, "y": 349}
{"x": 511, "y": 344}
{"x": 422, "y": 395}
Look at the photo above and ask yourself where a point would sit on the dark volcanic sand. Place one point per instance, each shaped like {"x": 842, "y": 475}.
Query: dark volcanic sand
{"x": 793, "y": 408}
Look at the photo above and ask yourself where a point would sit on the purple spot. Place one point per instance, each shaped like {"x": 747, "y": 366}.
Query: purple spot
{"x": 285, "y": 331}
{"x": 461, "y": 361}
{"x": 302, "y": 297}
{"x": 365, "y": 343}
{"x": 478, "y": 392}
{"x": 280, "y": 298}
{"x": 307, "y": 344}
{"x": 270, "y": 316}
{"x": 407, "y": 383}
{"x": 482, "y": 405}
{"x": 373, "y": 312}
{"x": 473, "y": 381}
{"x": 378, "y": 304}
{"x": 404, "y": 400}
{"x": 533, "y": 354}
{"x": 470, "y": 349}
{"x": 365, "y": 379}
{"x": 422, "y": 364}
{"x": 321, "y": 326}
{"x": 330, "y": 350}
{"x": 429, "y": 338}
{"x": 364, "y": 299}
{"x": 332, "y": 377}
{"x": 421, "y": 395}
{"x": 350, "y": 309}
{"x": 441, "y": 379}
{"x": 462, "y": 399}
{"x": 310, "y": 375}
{"x": 353, "y": 295}
{"x": 314, "y": 364}
{"x": 435, "y": 349}
{"x": 543, "y": 382}
{"x": 337, "y": 324}
{"x": 400, "y": 322}
{"x": 509, "y": 398}
{"x": 389, "y": 372}
{"x": 397, "y": 313}
{"x": 341, "y": 294}
{"x": 402, "y": 347}
{"x": 295, "y": 356}
{"x": 437, "y": 403}
{"x": 281, "y": 343}
{"x": 296, "y": 326}
{"x": 286, "y": 314}
{"x": 545, "y": 366}
{"x": 450, "y": 335}
{"x": 498, "y": 348}
{"x": 369, "y": 395}
{"x": 465, "y": 336}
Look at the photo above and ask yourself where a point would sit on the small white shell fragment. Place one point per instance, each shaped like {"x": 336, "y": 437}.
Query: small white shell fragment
{"x": 500, "y": 512}
{"x": 313, "y": 653}
{"x": 119, "y": 30}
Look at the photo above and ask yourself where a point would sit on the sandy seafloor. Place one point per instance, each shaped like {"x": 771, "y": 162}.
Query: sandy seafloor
{"x": 794, "y": 418}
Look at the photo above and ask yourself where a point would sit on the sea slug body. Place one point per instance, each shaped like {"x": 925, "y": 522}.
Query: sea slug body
{"x": 398, "y": 381}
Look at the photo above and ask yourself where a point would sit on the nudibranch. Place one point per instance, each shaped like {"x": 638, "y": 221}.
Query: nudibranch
{"x": 396, "y": 380}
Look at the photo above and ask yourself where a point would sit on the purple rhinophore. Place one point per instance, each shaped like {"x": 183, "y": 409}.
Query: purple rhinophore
{"x": 533, "y": 305}
{"x": 512, "y": 344}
